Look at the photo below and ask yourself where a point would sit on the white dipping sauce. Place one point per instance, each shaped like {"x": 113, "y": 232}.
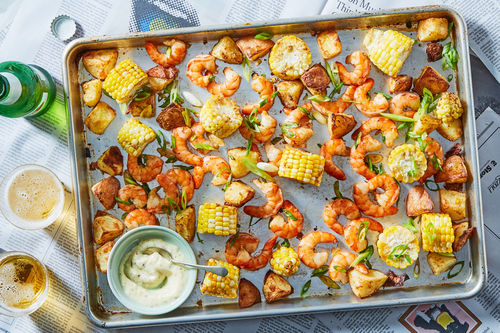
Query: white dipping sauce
{"x": 153, "y": 279}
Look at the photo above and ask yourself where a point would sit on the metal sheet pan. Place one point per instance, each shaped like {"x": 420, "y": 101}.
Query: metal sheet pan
{"x": 104, "y": 310}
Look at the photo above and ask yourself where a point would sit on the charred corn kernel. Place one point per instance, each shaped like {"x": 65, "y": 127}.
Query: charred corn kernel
{"x": 216, "y": 285}
{"x": 398, "y": 247}
{"x": 134, "y": 136}
{"x": 301, "y": 166}
{"x": 124, "y": 80}
{"x": 285, "y": 261}
{"x": 448, "y": 107}
{"x": 387, "y": 50}
{"x": 217, "y": 219}
{"x": 290, "y": 57}
{"x": 437, "y": 232}
{"x": 407, "y": 163}
{"x": 220, "y": 116}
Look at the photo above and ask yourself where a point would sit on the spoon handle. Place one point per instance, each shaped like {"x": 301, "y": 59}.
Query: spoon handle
{"x": 222, "y": 271}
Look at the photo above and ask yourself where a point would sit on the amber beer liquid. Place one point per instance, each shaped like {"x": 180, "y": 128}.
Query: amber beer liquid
{"x": 24, "y": 284}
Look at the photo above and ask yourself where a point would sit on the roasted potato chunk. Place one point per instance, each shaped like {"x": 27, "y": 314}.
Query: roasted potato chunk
{"x": 100, "y": 117}
{"x": 289, "y": 93}
{"x": 106, "y": 228}
{"x": 171, "y": 117}
{"x": 329, "y": 44}
{"x": 454, "y": 171}
{"x": 432, "y": 80}
{"x": 144, "y": 108}
{"x": 185, "y": 223}
{"x": 248, "y": 294}
{"x": 439, "y": 263}
{"x": 111, "y": 162}
{"x": 452, "y": 130}
{"x": 432, "y": 29}
{"x": 453, "y": 204}
{"x": 364, "y": 285}
{"x": 227, "y": 51}
{"x": 462, "y": 234}
{"x": 238, "y": 193}
{"x": 275, "y": 287}
{"x": 316, "y": 80}
{"x": 102, "y": 256}
{"x": 400, "y": 83}
{"x": 160, "y": 77}
{"x": 418, "y": 201}
{"x": 238, "y": 169}
{"x": 106, "y": 190}
{"x": 254, "y": 48}
{"x": 339, "y": 124}
{"x": 425, "y": 123}
{"x": 92, "y": 91}
{"x": 100, "y": 62}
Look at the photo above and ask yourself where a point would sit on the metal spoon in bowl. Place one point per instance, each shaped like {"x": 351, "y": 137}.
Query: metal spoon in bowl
{"x": 222, "y": 271}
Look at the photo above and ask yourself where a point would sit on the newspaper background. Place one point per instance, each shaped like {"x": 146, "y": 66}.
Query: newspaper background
{"x": 44, "y": 141}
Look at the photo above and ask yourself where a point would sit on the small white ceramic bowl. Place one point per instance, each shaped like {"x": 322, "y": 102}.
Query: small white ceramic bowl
{"x": 125, "y": 244}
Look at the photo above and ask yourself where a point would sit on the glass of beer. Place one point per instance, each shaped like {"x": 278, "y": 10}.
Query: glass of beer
{"x": 24, "y": 284}
{"x": 31, "y": 197}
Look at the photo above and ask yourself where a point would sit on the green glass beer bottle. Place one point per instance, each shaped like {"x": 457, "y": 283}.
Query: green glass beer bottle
{"x": 25, "y": 90}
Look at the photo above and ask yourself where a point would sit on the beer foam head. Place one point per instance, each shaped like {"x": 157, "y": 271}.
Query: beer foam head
{"x": 32, "y": 197}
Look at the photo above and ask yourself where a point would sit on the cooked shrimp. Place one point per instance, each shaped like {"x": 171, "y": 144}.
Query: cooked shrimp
{"x": 238, "y": 252}
{"x": 155, "y": 203}
{"x": 151, "y": 167}
{"x": 133, "y": 194}
{"x": 361, "y": 71}
{"x": 306, "y": 248}
{"x": 172, "y": 58}
{"x": 200, "y": 69}
{"x": 170, "y": 189}
{"x": 181, "y": 151}
{"x": 400, "y": 104}
{"x": 434, "y": 153}
{"x": 297, "y": 127}
{"x": 355, "y": 232}
{"x": 385, "y": 125}
{"x": 338, "y": 106}
{"x": 229, "y": 87}
{"x": 273, "y": 156}
{"x": 184, "y": 179}
{"x": 198, "y": 138}
{"x": 366, "y": 106}
{"x": 328, "y": 150}
{"x": 266, "y": 129}
{"x": 139, "y": 217}
{"x": 340, "y": 264}
{"x": 266, "y": 89}
{"x": 291, "y": 228}
{"x": 338, "y": 207}
{"x": 361, "y": 196}
{"x": 274, "y": 200}
{"x": 215, "y": 164}
{"x": 366, "y": 144}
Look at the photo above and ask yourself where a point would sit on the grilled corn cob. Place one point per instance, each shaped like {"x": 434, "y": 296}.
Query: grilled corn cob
{"x": 134, "y": 136}
{"x": 448, "y": 107}
{"x": 387, "y": 50}
{"x": 124, "y": 80}
{"x": 301, "y": 166}
{"x": 220, "y": 116}
{"x": 407, "y": 163}
{"x": 290, "y": 57}
{"x": 437, "y": 232}
{"x": 285, "y": 261}
{"x": 217, "y": 219}
{"x": 216, "y": 285}
{"x": 398, "y": 247}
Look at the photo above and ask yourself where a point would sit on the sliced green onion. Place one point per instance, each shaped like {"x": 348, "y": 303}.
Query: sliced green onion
{"x": 304, "y": 110}
{"x": 203, "y": 146}
{"x": 336, "y": 190}
{"x": 130, "y": 181}
{"x": 340, "y": 269}
{"x": 125, "y": 202}
{"x": 411, "y": 225}
{"x": 228, "y": 182}
{"x": 247, "y": 69}
{"x": 187, "y": 117}
{"x": 435, "y": 187}
{"x": 235, "y": 237}
{"x": 274, "y": 94}
{"x": 124, "y": 215}
{"x": 319, "y": 98}
{"x": 173, "y": 141}
{"x": 363, "y": 227}
{"x": 183, "y": 200}
{"x": 285, "y": 243}
{"x": 450, "y": 57}
{"x": 276, "y": 140}
{"x": 397, "y": 117}
{"x": 430, "y": 232}
{"x": 452, "y": 275}
{"x": 305, "y": 288}
{"x": 387, "y": 96}
{"x": 142, "y": 160}
{"x": 142, "y": 94}
{"x": 397, "y": 252}
{"x": 253, "y": 168}
{"x": 407, "y": 258}
{"x": 249, "y": 144}
{"x": 262, "y": 102}
{"x": 435, "y": 163}
{"x": 183, "y": 167}
{"x": 174, "y": 205}
{"x": 363, "y": 256}
{"x": 264, "y": 36}
{"x": 285, "y": 128}
{"x": 446, "y": 254}
{"x": 449, "y": 77}
{"x": 199, "y": 239}
{"x": 416, "y": 269}
{"x": 358, "y": 139}
{"x": 319, "y": 271}
{"x": 329, "y": 282}
{"x": 290, "y": 215}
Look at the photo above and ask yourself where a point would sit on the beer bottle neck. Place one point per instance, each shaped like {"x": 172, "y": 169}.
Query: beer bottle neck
{"x": 4, "y": 87}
